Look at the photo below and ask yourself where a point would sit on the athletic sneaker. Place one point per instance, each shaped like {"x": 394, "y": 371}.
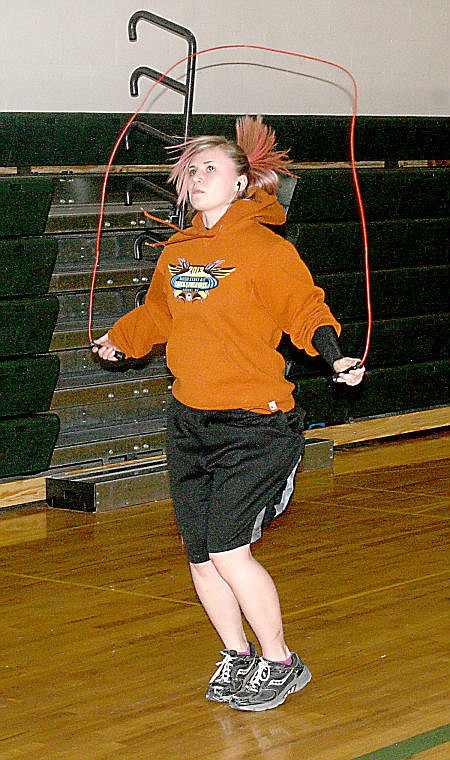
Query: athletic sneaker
{"x": 269, "y": 684}
{"x": 229, "y": 676}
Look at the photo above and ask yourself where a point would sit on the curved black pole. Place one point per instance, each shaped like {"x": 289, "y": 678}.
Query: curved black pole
{"x": 188, "y": 89}
{"x": 164, "y": 23}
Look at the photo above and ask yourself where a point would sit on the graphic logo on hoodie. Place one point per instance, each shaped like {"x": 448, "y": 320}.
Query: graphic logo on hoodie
{"x": 191, "y": 282}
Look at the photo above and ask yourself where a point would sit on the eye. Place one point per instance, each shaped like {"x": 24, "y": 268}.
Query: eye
{"x": 191, "y": 171}
{"x": 210, "y": 168}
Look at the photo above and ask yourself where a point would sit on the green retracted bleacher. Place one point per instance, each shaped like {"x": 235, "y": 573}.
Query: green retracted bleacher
{"x": 28, "y": 373}
{"x": 407, "y": 211}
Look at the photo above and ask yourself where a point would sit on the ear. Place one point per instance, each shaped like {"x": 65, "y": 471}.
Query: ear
{"x": 241, "y": 183}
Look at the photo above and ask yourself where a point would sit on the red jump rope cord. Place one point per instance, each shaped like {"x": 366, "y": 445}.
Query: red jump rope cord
{"x": 360, "y": 203}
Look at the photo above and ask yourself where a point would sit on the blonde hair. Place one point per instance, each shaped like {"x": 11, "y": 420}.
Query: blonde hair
{"x": 252, "y": 153}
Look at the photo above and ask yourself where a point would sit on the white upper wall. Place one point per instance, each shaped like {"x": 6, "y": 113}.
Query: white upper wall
{"x": 61, "y": 55}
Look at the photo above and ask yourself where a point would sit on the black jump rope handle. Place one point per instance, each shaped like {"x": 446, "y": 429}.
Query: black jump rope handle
{"x": 335, "y": 375}
{"x": 120, "y": 356}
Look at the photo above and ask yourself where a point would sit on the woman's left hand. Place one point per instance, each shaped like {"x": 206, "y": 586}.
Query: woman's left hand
{"x": 348, "y": 371}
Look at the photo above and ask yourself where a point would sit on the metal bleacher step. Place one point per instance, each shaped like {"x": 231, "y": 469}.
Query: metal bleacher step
{"x": 109, "y": 417}
{"x": 75, "y": 203}
{"x": 110, "y": 444}
{"x": 126, "y": 484}
{"x": 105, "y": 489}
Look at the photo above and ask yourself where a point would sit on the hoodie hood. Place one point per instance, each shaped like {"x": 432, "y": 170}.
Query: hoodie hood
{"x": 261, "y": 207}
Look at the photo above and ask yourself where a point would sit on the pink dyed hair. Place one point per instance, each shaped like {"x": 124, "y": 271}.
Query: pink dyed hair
{"x": 253, "y": 153}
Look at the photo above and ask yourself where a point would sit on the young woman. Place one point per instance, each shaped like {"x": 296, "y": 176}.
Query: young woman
{"x": 222, "y": 293}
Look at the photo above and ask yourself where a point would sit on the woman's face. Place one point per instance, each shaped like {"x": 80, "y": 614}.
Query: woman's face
{"x": 213, "y": 183}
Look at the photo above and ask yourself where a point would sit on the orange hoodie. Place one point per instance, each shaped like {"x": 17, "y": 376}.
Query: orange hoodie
{"x": 220, "y": 299}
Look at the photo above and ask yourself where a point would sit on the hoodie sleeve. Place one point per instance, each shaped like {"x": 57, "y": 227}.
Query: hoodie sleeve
{"x": 287, "y": 290}
{"x": 138, "y": 331}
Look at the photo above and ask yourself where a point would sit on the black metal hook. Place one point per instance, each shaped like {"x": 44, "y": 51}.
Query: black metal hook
{"x": 187, "y": 90}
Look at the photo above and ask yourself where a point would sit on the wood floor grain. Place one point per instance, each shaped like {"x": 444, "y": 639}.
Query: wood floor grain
{"x": 106, "y": 652}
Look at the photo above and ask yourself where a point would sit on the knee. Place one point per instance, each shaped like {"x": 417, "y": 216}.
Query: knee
{"x": 230, "y": 562}
{"x": 202, "y": 570}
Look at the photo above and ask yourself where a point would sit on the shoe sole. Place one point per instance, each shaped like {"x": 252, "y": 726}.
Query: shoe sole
{"x": 303, "y": 680}
{"x": 218, "y": 699}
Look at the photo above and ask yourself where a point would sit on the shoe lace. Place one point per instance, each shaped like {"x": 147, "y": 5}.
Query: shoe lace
{"x": 224, "y": 667}
{"x": 258, "y": 676}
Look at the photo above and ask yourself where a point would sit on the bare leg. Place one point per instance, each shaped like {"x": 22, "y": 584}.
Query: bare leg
{"x": 257, "y": 597}
{"x": 220, "y": 605}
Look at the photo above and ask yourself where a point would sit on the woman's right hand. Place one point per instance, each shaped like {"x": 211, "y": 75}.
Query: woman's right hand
{"x": 105, "y": 348}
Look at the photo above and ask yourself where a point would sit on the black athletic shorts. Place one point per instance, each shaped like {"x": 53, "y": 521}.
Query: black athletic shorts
{"x": 231, "y": 473}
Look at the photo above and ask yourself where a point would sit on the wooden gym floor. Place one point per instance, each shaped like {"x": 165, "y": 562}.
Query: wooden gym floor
{"x": 106, "y": 652}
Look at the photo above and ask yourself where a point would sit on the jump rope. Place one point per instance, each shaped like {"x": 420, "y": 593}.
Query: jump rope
{"x": 119, "y": 355}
